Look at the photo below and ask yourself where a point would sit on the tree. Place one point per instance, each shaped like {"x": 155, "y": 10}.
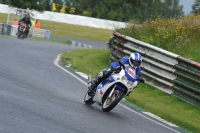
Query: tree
{"x": 78, "y": 7}
{"x": 196, "y": 7}
{"x": 4, "y": 1}
{"x": 59, "y": 4}
{"x": 173, "y": 9}
{"x": 118, "y": 10}
{"x": 47, "y": 5}
{"x": 68, "y": 6}
{"x": 31, "y": 4}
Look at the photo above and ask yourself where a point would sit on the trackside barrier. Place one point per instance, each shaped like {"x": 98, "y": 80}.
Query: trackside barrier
{"x": 9, "y": 29}
{"x": 6, "y": 29}
{"x": 1, "y": 25}
{"x": 48, "y": 34}
{"x": 12, "y": 30}
{"x": 187, "y": 84}
{"x": 41, "y": 33}
{"x": 161, "y": 69}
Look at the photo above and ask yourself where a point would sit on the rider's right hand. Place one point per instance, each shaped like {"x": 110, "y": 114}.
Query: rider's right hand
{"x": 116, "y": 69}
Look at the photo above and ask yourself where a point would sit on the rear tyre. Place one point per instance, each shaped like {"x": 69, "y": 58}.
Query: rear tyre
{"x": 110, "y": 103}
{"x": 88, "y": 99}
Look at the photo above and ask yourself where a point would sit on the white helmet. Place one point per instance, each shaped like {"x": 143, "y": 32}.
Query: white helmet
{"x": 135, "y": 59}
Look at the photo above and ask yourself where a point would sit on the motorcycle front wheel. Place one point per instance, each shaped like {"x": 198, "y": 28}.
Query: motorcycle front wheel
{"x": 88, "y": 99}
{"x": 111, "y": 102}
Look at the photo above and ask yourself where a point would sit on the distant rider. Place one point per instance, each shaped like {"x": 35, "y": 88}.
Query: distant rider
{"x": 27, "y": 20}
{"x": 134, "y": 61}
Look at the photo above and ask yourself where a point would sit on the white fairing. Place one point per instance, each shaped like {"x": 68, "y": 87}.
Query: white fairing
{"x": 118, "y": 78}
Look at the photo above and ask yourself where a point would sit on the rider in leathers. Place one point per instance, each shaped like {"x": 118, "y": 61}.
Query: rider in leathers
{"x": 134, "y": 61}
{"x": 27, "y": 20}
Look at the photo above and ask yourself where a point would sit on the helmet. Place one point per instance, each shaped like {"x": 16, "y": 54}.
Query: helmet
{"x": 135, "y": 59}
{"x": 27, "y": 17}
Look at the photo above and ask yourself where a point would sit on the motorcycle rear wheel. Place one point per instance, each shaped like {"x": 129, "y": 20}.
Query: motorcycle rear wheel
{"x": 110, "y": 103}
{"x": 88, "y": 99}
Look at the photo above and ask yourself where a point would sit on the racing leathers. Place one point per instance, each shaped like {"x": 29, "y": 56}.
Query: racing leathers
{"x": 114, "y": 66}
{"x": 28, "y": 22}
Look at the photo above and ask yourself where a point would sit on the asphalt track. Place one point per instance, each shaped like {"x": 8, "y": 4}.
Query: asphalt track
{"x": 38, "y": 95}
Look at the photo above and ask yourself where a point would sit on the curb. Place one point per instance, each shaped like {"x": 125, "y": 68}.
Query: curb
{"x": 76, "y": 44}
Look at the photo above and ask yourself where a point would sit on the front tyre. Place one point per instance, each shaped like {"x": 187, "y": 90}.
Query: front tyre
{"x": 88, "y": 99}
{"x": 110, "y": 103}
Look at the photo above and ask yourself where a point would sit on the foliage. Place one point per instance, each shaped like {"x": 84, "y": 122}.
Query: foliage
{"x": 58, "y": 5}
{"x": 126, "y": 10}
{"x": 118, "y": 10}
{"x": 31, "y": 4}
{"x": 196, "y": 7}
{"x": 47, "y": 5}
{"x": 180, "y": 36}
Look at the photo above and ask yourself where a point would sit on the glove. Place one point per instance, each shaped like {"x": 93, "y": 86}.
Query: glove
{"x": 117, "y": 69}
{"x": 121, "y": 64}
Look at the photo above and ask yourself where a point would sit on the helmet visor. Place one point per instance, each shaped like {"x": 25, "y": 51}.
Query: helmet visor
{"x": 135, "y": 63}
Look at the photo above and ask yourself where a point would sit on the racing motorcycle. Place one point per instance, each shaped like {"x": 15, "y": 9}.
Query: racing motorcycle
{"x": 110, "y": 91}
{"x": 22, "y": 30}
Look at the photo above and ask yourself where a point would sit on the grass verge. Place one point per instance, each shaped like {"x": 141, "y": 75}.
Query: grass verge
{"x": 153, "y": 100}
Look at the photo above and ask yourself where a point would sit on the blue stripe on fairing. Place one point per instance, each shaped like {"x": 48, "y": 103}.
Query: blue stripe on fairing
{"x": 119, "y": 87}
{"x": 103, "y": 83}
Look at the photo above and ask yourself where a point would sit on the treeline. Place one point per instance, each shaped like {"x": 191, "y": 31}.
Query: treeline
{"x": 118, "y": 10}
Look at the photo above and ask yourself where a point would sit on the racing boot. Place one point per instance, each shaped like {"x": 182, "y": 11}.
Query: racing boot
{"x": 92, "y": 88}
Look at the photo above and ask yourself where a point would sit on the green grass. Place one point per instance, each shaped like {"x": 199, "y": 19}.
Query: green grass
{"x": 153, "y": 100}
{"x": 70, "y": 30}
{"x": 98, "y": 57}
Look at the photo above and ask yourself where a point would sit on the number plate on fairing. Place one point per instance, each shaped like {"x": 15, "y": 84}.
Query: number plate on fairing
{"x": 131, "y": 73}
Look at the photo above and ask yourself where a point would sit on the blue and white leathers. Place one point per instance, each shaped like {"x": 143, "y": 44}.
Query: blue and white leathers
{"x": 125, "y": 60}
{"x": 123, "y": 78}
{"x": 124, "y": 81}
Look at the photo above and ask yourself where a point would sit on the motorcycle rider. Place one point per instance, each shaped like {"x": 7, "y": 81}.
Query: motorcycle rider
{"x": 27, "y": 20}
{"x": 134, "y": 61}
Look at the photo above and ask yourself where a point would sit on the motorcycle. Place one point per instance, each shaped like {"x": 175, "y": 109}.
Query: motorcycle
{"x": 110, "y": 91}
{"x": 22, "y": 30}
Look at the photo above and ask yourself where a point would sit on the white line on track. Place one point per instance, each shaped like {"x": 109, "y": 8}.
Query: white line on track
{"x": 56, "y": 63}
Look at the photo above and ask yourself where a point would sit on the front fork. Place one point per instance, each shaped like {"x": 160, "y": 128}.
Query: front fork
{"x": 110, "y": 95}
{"x": 89, "y": 80}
